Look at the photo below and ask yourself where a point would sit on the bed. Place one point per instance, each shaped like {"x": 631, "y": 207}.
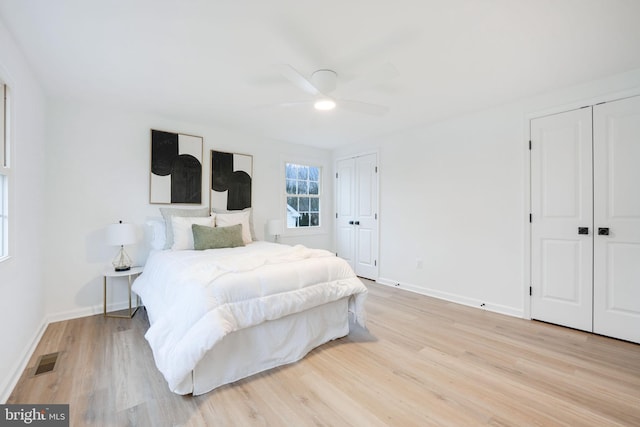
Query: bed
{"x": 220, "y": 315}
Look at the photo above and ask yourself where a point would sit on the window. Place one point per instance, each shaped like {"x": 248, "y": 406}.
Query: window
{"x": 303, "y": 195}
{"x": 3, "y": 217}
{"x": 4, "y": 170}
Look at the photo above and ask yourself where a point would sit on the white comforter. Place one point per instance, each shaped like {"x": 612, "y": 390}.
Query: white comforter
{"x": 195, "y": 298}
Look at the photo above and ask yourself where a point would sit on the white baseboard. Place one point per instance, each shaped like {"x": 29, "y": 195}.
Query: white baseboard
{"x": 10, "y": 383}
{"x": 85, "y": 311}
{"x": 458, "y": 299}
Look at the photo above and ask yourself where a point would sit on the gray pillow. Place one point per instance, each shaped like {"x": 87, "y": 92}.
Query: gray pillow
{"x": 167, "y": 213}
{"x": 216, "y": 237}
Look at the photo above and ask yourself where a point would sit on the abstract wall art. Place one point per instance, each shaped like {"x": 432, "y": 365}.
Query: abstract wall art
{"x": 231, "y": 175}
{"x": 176, "y": 168}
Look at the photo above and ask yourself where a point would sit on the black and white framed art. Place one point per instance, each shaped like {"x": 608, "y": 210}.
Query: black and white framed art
{"x": 230, "y": 184}
{"x": 176, "y": 168}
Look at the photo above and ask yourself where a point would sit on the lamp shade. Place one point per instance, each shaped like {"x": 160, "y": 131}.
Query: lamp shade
{"x": 274, "y": 227}
{"x": 121, "y": 234}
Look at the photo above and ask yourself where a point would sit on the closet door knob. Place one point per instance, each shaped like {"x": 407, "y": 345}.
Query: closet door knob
{"x": 350, "y": 222}
{"x": 357, "y": 222}
{"x": 583, "y": 230}
{"x": 603, "y": 231}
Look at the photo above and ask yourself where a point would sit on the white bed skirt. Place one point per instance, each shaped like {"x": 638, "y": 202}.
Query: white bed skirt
{"x": 265, "y": 346}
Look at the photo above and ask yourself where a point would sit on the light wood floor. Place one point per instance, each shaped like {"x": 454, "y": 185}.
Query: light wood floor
{"x": 423, "y": 362}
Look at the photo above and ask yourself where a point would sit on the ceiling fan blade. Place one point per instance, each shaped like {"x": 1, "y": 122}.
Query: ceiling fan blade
{"x": 283, "y": 105}
{"x": 294, "y": 104}
{"x": 297, "y": 79}
{"x": 377, "y": 76}
{"x": 363, "y": 107}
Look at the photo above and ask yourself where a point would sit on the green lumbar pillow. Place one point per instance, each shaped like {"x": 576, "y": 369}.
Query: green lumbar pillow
{"x": 216, "y": 237}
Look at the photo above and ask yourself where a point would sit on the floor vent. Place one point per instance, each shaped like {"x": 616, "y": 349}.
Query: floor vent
{"x": 46, "y": 363}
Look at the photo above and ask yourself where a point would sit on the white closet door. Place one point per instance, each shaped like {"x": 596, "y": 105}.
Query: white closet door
{"x": 617, "y": 207}
{"x": 345, "y": 210}
{"x": 562, "y": 203}
{"x": 366, "y": 223}
{"x": 356, "y": 214}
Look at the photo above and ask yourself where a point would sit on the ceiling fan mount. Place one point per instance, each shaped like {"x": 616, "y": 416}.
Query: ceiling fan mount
{"x": 324, "y": 82}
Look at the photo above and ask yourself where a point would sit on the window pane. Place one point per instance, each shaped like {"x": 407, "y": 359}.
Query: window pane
{"x": 5, "y": 173}
{"x": 304, "y": 204}
{"x": 3, "y": 216}
{"x": 313, "y": 187}
{"x": 4, "y": 161}
{"x": 291, "y": 171}
{"x": 302, "y": 187}
{"x": 293, "y": 202}
{"x": 291, "y": 186}
{"x": 304, "y": 220}
{"x": 303, "y": 172}
{"x": 314, "y": 204}
{"x": 314, "y": 219}
{"x": 314, "y": 174}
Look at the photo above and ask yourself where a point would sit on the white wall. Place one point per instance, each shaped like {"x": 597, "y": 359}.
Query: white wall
{"x": 455, "y": 195}
{"x": 21, "y": 277}
{"x": 452, "y": 194}
{"x": 98, "y": 173}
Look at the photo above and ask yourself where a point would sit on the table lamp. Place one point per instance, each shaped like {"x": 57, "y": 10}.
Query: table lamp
{"x": 121, "y": 234}
{"x": 274, "y": 228}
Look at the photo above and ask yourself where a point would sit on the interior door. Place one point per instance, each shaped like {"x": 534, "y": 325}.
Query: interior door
{"x": 562, "y": 229}
{"x": 345, "y": 210}
{"x": 366, "y": 222}
{"x": 616, "y": 308}
{"x": 356, "y": 214}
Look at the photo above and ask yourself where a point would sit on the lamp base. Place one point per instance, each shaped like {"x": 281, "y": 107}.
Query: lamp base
{"x": 122, "y": 262}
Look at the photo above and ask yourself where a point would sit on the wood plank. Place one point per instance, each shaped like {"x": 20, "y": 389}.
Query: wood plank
{"x": 422, "y": 361}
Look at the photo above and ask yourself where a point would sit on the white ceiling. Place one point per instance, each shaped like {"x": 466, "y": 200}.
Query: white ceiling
{"x": 215, "y": 61}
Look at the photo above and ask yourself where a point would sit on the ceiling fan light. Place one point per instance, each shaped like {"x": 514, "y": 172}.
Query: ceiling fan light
{"x": 324, "y": 104}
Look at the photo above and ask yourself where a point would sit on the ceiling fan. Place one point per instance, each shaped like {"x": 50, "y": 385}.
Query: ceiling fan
{"x": 323, "y": 83}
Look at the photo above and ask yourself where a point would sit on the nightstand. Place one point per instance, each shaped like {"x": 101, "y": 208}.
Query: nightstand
{"x": 129, "y": 274}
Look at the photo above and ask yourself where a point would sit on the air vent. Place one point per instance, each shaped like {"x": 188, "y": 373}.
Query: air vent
{"x": 46, "y": 363}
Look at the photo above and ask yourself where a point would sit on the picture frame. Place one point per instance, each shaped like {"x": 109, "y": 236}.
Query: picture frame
{"x": 176, "y": 168}
{"x": 230, "y": 183}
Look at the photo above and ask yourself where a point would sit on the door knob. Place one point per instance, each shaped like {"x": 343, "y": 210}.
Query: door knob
{"x": 583, "y": 230}
{"x": 603, "y": 231}
{"x": 350, "y": 222}
{"x": 357, "y": 222}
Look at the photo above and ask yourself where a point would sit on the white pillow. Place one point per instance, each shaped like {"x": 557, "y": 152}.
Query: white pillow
{"x": 222, "y": 211}
{"x": 227, "y": 219}
{"x": 182, "y": 232}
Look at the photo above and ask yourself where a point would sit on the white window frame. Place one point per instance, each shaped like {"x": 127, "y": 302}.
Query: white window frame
{"x": 5, "y": 169}
{"x": 324, "y": 219}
